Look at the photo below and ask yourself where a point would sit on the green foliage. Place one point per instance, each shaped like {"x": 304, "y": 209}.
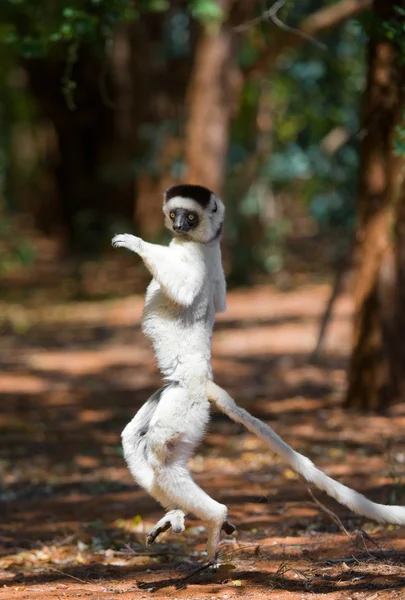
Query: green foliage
{"x": 391, "y": 29}
{"x": 206, "y": 10}
{"x": 36, "y": 29}
{"x": 399, "y": 140}
{"x": 15, "y": 249}
{"x": 323, "y": 94}
{"x": 394, "y": 29}
{"x": 32, "y": 27}
{"x": 312, "y": 93}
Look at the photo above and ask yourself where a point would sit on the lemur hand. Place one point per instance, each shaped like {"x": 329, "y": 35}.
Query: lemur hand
{"x": 126, "y": 240}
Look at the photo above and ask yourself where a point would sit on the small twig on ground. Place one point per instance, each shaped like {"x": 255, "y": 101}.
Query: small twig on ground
{"x": 68, "y": 575}
{"x": 178, "y": 583}
{"x": 363, "y": 535}
{"x": 356, "y": 536}
{"x": 331, "y": 514}
{"x": 197, "y": 571}
{"x": 338, "y": 561}
{"x": 370, "y": 539}
{"x": 66, "y": 540}
{"x": 128, "y": 551}
{"x": 73, "y": 577}
{"x": 239, "y": 549}
{"x": 284, "y": 568}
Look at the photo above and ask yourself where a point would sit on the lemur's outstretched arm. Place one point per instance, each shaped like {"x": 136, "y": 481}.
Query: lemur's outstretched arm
{"x": 179, "y": 279}
{"x": 302, "y": 465}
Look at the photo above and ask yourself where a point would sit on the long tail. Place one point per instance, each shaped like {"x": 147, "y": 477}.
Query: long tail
{"x": 302, "y": 465}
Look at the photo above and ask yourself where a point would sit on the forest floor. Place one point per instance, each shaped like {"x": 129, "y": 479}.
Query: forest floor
{"x": 73, "y": 523}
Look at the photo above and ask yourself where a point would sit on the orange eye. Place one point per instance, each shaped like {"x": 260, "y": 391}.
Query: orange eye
{"x": 190, "y": 217}
{"x": 172, "y": 215}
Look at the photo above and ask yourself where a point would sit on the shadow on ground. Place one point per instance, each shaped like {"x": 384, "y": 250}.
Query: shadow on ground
{"x": 71, "y": 515}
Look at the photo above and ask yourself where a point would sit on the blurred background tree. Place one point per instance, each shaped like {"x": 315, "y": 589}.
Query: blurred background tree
{"x": 376, "y": 373}
{"x": 107, "y": 102}
{"x": 104, "y": 103}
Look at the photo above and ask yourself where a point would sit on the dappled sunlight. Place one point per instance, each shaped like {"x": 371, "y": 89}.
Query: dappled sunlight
{"x": 14, "y": 383}
{"x": 84, "y": 363}
{"x": 290, "y": 115}
{"x": 71, "y": 502}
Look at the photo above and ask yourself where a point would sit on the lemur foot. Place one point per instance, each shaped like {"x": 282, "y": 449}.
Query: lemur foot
{"x": 228, "y": 527}
{"x": 173, "y": 519}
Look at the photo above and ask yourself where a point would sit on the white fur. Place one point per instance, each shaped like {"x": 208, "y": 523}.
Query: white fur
{"x": 187, "y": 288}
{"x": 209, "y": 221}
{"x": 302, "y": 465}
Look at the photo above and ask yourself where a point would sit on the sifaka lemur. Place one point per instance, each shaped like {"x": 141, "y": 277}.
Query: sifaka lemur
{"x": 187, "y": 289}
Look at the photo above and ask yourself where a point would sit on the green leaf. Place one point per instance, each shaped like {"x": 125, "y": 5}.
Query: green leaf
{"x": 66, "y": 31}
{"x": 206, "y": 10}
{"x": 130, "y": 14}
{"x": 158, "y": 5}
{"x": 55, "y": 37}
{"x": 69, "y": 13}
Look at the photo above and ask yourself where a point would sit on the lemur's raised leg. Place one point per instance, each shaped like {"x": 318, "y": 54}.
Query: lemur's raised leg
{"x": 135, "y": 444}
{"x": 173, "y": 518}
{"x": 171, "y": 440}
{"x": 156, "y": 447}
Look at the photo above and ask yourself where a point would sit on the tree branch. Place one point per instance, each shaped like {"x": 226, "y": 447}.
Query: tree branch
{"x": 318, "y": 22}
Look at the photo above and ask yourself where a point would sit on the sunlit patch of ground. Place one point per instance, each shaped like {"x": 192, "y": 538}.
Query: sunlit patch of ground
{"x": 72, "y": 521}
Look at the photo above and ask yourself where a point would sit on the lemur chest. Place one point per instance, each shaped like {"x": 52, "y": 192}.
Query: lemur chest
{"x": 176, "y": 332}
{"x": 162, "y": 314}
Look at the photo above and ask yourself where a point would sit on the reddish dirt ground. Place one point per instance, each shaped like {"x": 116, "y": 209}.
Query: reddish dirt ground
{"x": 73, "y": 522}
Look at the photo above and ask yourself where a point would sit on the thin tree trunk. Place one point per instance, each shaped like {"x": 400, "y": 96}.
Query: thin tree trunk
{"x": 214, "y": 87}
{"x": 124, "y": 114}
{"x": 160, "y": 86}
{"x": 316, "y": 355}
{"x": 113, "y": 156}
{"x": 398, "y": 354}
{"x": 84, "y": 140}
{"x": 372, "y": 382}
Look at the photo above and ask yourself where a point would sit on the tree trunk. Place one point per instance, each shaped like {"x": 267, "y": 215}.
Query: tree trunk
{"x": 398, "y": 354}
{"x": 124, "y": 115}
{"x": 115, "y": 149}
{"x": 214, "y": 88}
{"x": 160, "y": 84}
{"x": 84, "y": 141}
{"x": 372, "y": 381}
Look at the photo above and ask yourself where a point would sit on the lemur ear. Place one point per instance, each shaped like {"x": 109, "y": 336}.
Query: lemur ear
{"x": 215, "y": 207}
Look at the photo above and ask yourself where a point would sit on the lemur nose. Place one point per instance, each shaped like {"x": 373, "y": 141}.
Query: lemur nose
{"x": 178, "y": 224}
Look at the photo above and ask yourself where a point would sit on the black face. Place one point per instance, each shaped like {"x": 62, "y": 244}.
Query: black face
{"x": 183, "y": 219}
